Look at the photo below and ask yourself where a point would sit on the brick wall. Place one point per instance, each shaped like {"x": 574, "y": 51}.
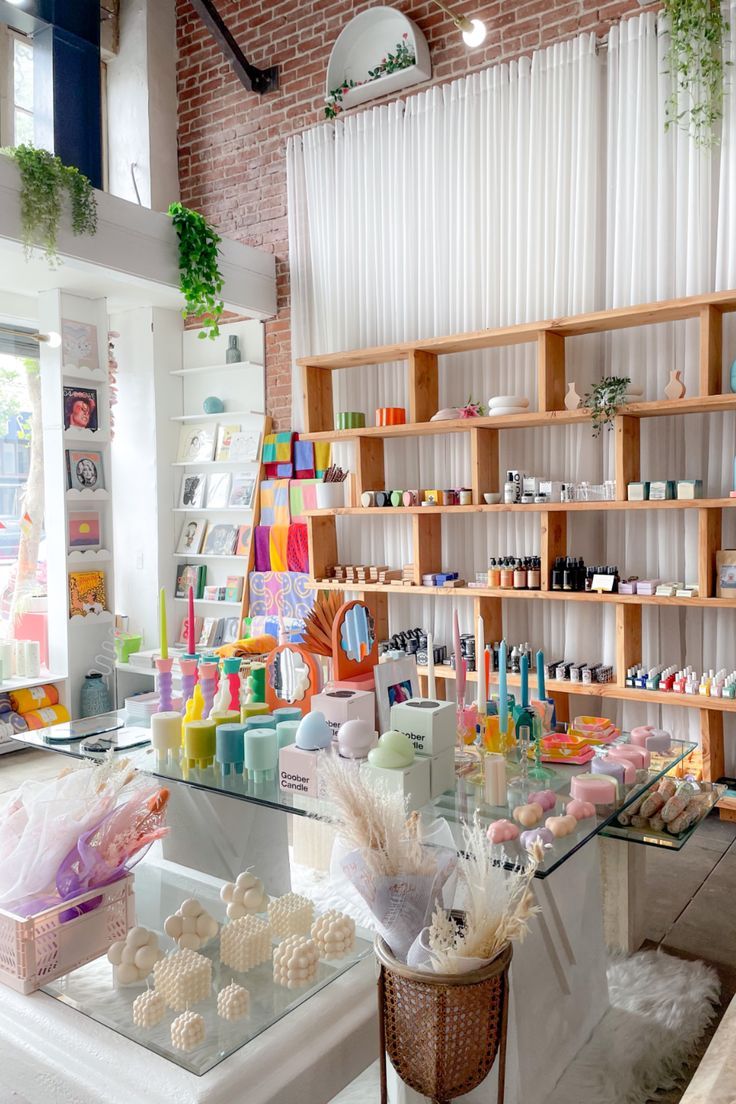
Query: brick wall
{"x": 232, "y": 142}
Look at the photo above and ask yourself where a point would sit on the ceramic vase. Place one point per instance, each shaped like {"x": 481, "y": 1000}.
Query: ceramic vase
{"x": 572, "y": 399}
{"x": 232, "y": 353}
{"x": 94, "y": 697}
{"x": 675, "y": 389}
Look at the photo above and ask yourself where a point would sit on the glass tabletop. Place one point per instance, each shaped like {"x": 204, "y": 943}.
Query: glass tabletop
{"x": 79, "y": 738}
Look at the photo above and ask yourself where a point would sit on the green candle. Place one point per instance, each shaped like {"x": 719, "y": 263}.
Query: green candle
{"x": 162, "y": 625}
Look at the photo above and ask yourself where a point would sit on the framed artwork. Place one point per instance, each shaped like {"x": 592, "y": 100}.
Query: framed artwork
{"x": 84, "y": 531}
{"x": 79, "y": 345}
{"x": 191, "y": 537}
{"x": 85, "y": 470}
{"x": 220, "y": 540}
{"x": 242, "y": 490}
{"x": 396, "y": 681}
{"x": 241, "y": 548}
{"x": 80, "y": 408}
{"x": 245, "y": 446}
{"x": 225, "y": 435}
{"x": 192, "y": 490}
{"x": 218, "y": 489}
{"x": 726, "y": 573}
{"x": 86, "y": 592}
{"x": 184, "y": 630}
{"x": 196, "y": 442}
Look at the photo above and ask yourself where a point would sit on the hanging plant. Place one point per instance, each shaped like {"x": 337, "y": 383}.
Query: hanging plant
{"x": 604, "y": 401}
{"x": 43, "y": 181}
{"x": 200, "y": 278}
{"x": 695, "y": 66}
{"x": 402, "y": 58}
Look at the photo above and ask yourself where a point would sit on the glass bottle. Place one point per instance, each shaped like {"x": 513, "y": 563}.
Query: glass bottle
{"x": 519, "y": 576}
{"x": 232, "y": 353}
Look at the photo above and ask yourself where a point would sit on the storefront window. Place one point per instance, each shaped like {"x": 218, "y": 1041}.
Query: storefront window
{"x": 22, "y": 91}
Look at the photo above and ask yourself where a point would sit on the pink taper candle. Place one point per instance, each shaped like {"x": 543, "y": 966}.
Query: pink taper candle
{"x": 190, "y": 623}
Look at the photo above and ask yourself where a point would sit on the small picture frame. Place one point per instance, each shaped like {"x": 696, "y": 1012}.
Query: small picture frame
{"x": 84, "y": 531}
{"x": 242, "y": 490}
{"x": 726, "y": 573}
{"x": 396, "y": 681}
{"x": 191, "y": 496}
{"x": 80, "y": 408}
{"x": 191, "y": 537}
{"x": 196, "y": 443}
{"x": 85, "y": 470}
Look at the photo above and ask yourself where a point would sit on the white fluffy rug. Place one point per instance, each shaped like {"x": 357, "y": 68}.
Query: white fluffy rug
{"x": 661, "y": 1008}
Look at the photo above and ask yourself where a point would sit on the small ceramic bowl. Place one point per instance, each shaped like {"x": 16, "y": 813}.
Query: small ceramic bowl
{"x": 508, "y": 400}
{"x": 491, "y": 499}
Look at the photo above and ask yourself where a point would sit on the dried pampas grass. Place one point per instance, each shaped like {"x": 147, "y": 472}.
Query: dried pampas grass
{"x": 373, "y": 821}
{"x": 498, "y": 905}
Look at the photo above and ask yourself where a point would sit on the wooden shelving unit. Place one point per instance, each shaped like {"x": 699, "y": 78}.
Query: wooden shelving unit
{"x": 422, "y": 369}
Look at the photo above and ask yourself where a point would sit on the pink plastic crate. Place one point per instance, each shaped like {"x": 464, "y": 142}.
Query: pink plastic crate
{"x": 36, "y": 949}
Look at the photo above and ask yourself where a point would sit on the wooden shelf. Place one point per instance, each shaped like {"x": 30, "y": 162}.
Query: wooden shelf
{"x": 532, "y": 507}
{"x": 528, "y": 595}
{"x": 707, "y": 404}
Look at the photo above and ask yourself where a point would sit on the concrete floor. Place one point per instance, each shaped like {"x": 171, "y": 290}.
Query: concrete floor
{"x": 689, "y": 907}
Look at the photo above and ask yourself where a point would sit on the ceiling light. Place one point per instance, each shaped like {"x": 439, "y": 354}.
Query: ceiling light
{"x": 472, "y": 30}
{"x": 52, "y": 338}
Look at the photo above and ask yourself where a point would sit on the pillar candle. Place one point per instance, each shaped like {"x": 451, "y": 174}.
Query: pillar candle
{"x": 166, "y": 734}
{"x": 480, "y": 639}
{"x": 503, "y": 700}
{"x": 286, "y": 733}
{"x": 199, "y": 743}
{"x": 253, "y": 709}
{"x": 33, "y": 659}
{"x": 524, "y": 668}
{"x": 431, "y": 684}
{"x": 540, "y": 675}
{"x": 495, "y": 779}
{"x": 164, "y": 643}
{"x": 190, "y": 622}
{"x": 261, "y": 753}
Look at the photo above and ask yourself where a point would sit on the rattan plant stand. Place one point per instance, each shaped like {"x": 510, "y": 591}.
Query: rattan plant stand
{"x": 442, "y": 1031}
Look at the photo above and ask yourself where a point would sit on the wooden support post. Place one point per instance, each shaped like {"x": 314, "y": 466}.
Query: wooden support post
{"x": 711, "y": 742}
{"x": 628, "y": 640}
{"x": 483, "y": 463}
{"x": 317, "y": 394}
{"x": 709, "y": 542}
{"x": 322, "y": 536}
{"x": 369, "y": 465}
{"x": 553, "y": 542}
{"x": 423, "y": 385}
{"x": 426, "y": 531}
{"x": 627, "y": 453}
{"x": 711, "y": 351}
{"x": 550, "y": 371}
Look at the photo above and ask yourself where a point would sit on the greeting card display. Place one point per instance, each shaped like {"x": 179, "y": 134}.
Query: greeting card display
{"x": 84, "y": 470}
{"x": 86, "y": 593}
{"x": 80, "y": 408}
{"x": 196, "y": 443}
{"x": 84, "y": 531}
{"x": 192, "y": 491}
{"x": 224, "y": 441}
{"x": 354, "y": 646}
{"x": 191, "y": 537}
{"x": 245, "y": 447}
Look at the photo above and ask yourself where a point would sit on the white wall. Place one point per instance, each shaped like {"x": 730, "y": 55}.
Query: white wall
{"x": 141, "y": 105}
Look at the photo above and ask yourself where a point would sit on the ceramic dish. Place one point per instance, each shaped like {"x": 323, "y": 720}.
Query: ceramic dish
{"x": 508, "y": 400}
{"x": 492, "y": 499}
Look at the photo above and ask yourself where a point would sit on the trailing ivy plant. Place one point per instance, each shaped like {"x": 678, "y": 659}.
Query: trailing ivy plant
{"x": 402, "y": 58}
{"x": 44, "y": 179}
{"x": 604, "y": 400}
{"x": 695, "y": 66}
{"x": 200, "y": 278}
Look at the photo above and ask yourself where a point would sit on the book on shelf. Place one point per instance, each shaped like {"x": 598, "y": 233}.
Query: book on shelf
{"x": 211, "y": 634}
{"x": 190, "y": 575}
{"x": 184, "y": 630}
{"x": 234, "y": 588}
{"x": 230, "y": 630}
{"x": 214, "y": 594}
{"x": 86, "y": 593}
{"x": 143, "y": 659}
{"x": 221, "y": 539}
{"x": 225, "y": 435}
{"x": 241, "y": 548}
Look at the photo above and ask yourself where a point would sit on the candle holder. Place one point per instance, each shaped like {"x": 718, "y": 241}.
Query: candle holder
{"x": 207, "y": 673}
{"x": 188, "y": 665}
{"x": 163, "y": 685}
{"x": 467, "y": 719}
{"x": 231, "y": 670}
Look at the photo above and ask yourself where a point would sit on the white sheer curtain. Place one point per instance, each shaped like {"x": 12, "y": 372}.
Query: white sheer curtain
{"x": 543, "y": 187}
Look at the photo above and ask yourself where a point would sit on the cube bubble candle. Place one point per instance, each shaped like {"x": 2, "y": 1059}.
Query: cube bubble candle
{"x": 295, "y": 962}
{"x": 334, "y": 934}
{"x": 188, "y": 1031}
{"x": 183, "y": 978}
{"x": 291, "y": 915}
{"x": 245, "y": 943}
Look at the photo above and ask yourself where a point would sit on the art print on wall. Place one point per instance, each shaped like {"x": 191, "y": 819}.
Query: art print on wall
{"x": 84, "y": 470}
{"x": 80, "y": 408}
{"x": 192, "y": 491}
{"x": 79, "y": 345}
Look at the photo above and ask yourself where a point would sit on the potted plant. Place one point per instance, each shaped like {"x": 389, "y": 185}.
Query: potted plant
{"x": 604, "y": 400}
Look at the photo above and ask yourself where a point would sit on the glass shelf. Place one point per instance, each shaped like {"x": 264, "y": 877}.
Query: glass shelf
{"x": 158, "y": 893}
{"x": 455, "y": 806}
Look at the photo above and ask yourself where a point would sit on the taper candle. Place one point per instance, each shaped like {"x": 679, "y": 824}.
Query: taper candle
{"x": 524, "y": 669}
{"x": 431, "y": 682}
{"x": 480, "y": 640}
{"x": 541, "y": 693}
{"x": 503, "y": 700}
{"x": 164, "y": 645}
{"x": 190, "y": 623}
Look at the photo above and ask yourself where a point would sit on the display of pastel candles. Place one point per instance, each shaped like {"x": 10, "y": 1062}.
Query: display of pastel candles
{"x": 503, "y": 697}
{"x": 163, "y": 685}
{"x": 287, "y": 713}
{"x": 188, "y": 669}
{"x": 494, "y": 767}
{"x": 230, "y": 747}
{"x": 261, "y": 754}
{"x": 600, "y": 789}
{"x": 190, "y": 622}
{"x": 260, "y": 720}
{"x": 431, "y": 683}
{"x": 480, "y": 638}
{"x": 253, "y": 709}
{"x": 286, "y": 732}
{"x": 207, "y": 674}
{"x": 163, "y": 634}
{"x": 166, "y": 735}
{"x": 199, "y": 743}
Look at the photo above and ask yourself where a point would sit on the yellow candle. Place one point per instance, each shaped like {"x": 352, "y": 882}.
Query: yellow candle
{"x": 164, "y": 649}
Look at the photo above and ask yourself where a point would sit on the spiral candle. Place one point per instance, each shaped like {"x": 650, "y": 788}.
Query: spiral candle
{"x": 231, "y": 669}
{"x": 207, "y": 673}
{"x": 188, "y": 679}
{"x": 163, "y": 685}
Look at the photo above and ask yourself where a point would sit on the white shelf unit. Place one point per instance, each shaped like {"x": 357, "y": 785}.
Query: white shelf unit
{"x": 210, "y": 602}
{"x": 216, "y": 368}
{"x": 9, "y": 685}
{"x": 225, "y": 416}
{"x": 242, "y": 560}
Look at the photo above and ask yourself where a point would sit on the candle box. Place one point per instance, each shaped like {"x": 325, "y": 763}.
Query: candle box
{"x": 358, "y": 682}
{"x": 430, "y": 725}
{"x": 661, "y": 489}
{"x": 441, "y": 772}
{"x": 638, "y": 492}
{"x": 412, "y": 781}
{"x": 298, "y": 770}
{"x": 689, "y": 488}
{"x": 340, "y": 705}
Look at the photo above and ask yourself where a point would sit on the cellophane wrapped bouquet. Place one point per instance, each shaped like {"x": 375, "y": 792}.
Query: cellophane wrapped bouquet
{"x": 82, "y": 830}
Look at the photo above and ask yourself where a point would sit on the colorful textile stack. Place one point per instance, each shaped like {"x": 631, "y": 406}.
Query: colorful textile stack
{"x": 34, "y": 707}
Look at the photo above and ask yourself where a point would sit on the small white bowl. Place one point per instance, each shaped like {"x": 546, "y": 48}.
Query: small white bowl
{"x": 508, "y": 400}
{"x": 492, "y": 499}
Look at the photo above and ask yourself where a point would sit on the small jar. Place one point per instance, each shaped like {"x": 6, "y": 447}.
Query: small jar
{"x": 466, "y": 496}
{"x": 451, "y": 498}
{"x": 368, "y": 499}
{"x": 509, "y": 493}
{"x": 382, "y": 499}
{"x": 519, "y": 576}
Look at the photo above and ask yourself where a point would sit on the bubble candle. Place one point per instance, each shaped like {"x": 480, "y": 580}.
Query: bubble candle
{"x": 188, "y": 669}
{"x": 163, "y": 685}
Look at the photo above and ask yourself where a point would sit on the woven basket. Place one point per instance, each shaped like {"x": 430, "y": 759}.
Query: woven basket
{"x": 442, "y": 1032}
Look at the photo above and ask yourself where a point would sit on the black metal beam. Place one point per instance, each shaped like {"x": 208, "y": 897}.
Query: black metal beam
{"x": 254, "y": 79}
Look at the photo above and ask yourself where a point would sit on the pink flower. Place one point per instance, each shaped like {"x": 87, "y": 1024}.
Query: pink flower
{"x": 405, "y": 34}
